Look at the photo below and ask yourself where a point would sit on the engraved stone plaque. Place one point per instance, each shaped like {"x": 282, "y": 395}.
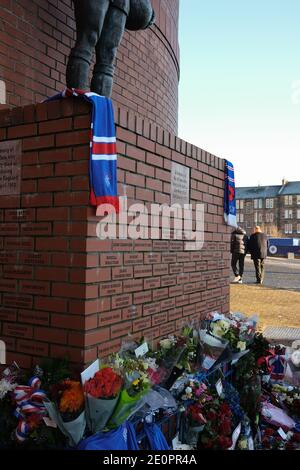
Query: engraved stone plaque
{"x": 10, "y": 167}
{"x": 180, "y": 184}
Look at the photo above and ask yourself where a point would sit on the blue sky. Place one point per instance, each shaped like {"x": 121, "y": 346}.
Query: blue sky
{"x": 239, "y": 93}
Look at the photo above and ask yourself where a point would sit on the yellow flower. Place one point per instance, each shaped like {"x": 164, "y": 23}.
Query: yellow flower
{"x": 136, "y": 382}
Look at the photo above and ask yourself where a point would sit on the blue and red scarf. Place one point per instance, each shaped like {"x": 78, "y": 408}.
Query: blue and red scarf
{"x": 229, "y": 195}
{"x": 103, "y": 153}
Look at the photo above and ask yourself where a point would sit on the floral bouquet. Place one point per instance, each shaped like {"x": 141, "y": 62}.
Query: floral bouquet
{"x": 137, "y": 383}
{"x": 102, "y": 395}
{"x": 289, "y": 397}
{"x": 196, "y": 422}
{"x": 217, "y": 434}
{"x": 171, "y": 356}
{"x": 66, "y": 409}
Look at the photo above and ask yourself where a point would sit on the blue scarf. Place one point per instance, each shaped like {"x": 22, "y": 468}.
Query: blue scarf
{"x": 229, "y": 195}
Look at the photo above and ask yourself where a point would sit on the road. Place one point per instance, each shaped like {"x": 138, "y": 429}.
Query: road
{"x": 280, "y": 273}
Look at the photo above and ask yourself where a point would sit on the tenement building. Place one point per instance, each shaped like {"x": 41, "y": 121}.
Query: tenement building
{"x": 275, "y": 208}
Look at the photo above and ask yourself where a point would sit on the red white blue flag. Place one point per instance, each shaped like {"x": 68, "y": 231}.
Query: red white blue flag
{"x": 103, "y": 153}
{"x": 229, "y": 195}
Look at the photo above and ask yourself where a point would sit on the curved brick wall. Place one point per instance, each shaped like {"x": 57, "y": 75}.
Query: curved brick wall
{"x": 35, "y": 40}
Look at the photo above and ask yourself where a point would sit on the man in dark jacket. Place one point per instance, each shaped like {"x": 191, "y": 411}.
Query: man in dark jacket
{"x": 239, "y": 243}
{"x": 258, "y": 248}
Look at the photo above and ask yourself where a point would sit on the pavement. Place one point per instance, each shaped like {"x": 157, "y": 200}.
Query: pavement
{"x": 280, "y": 273}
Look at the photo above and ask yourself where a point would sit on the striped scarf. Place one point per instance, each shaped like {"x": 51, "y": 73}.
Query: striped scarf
{"x": 229, "y": 195}
{"x": 103, "y": 154}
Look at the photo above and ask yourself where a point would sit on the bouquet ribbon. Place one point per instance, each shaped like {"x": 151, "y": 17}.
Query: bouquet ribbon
{"x": 29, "y": 399}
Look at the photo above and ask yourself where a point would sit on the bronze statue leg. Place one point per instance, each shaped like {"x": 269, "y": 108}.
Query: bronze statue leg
{"x": 106, "y": 51}
{"x": 89, "y": 17}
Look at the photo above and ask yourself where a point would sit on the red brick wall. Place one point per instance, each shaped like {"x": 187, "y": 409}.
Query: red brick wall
{"x": 62, "y": 290}
{"x": 35, "y": 41}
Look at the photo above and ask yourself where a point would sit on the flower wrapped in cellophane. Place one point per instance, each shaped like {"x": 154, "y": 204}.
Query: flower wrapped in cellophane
{"x": 136, "y": 384}
{"x": 67, "y": 409}
{"x": 102, "y": 394}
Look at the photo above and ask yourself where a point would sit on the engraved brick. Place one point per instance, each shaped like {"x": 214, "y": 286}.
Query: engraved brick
{"x": 167, "y": 304}
{"x": 189, "y": 310}
{"x": 151, "y": 309}
{"x": 183, "y": 257}
{"x": 141, "y": 324}
{"x": 19, "y": 243}
{"x": 152, "y": 258}
{"x": 174, "y": 314}
{"x": 189, "y": 288}
{"x": 176, "y": 268}
{"x": 122, "y": 273}
{"x": 121, "y": 301}
{"x": 109, "y": 318}
{"x": 9, "y": 229}
{"x": 167, "y": 281}
{"x": 8, "y": 314}
{"x": 108, "y": 259}
{"x": 143, "y": 245}
{"x": 160, "y": 294}
{"x": 34, "y": 317}
{"x": 20, "y": 331}
{"x": 122, "y": 329}
{"x": 183, "y": 278}
{"x": 35, "y": 287}
{"x": 160, "y": 245}
{"x": 110, "y": 288}
{"x": 132, "y": 313}
{"x": 160, "y": 269}
{"x": 169, "y": 258}
{"x": 19, "y": 215}
{"x": 8, "y": 258}
{"x": 175, "y": 290}
{"x": 152, "y": 283}
{"x": 142, "y": 271}
{"x": 32, "y": 347}
{"x": 105, "y": 349}
{"x": 18, "y": 272}
{"x": 35, "y": 259}
{"x": 182, "y": 300}
{"x": 8, "y": 285}
{"x": 18, "y": 301}
{"x": 36, "y": 229}
{"x": 133, "y": 258}
{"x": 159, "y": 319}
{"x": 133, "y": 285}
{"x": 143, "y": 297}
{"x": 122, "y": 245}
{"x": 167, "y": 329}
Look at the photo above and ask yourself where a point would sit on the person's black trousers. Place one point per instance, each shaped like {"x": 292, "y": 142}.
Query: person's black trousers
{"x": 259, "y": 265}
{"x": 238, "y": 259}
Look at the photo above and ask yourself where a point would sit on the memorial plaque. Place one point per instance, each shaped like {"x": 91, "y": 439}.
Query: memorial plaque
{"x": 167, "y": 304}
{"x": 160, "y": 294}
{"x": 10, "y": 167}
{"x": 110, "y": 318}
{"x": 151, "y": 309}
{"x": 143, "y": 297}
{"x": 111, "y": 288}
{"x": 180, "y": 184}
{"x": 123, "y": 300}
{"x": 175, "y": 314}
{"x": 133, "y": 285}
{"x": 159, "y": 319}
{"x": 152, "y": 283}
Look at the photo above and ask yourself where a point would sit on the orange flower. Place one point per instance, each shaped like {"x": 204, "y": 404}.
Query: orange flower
{"x": 72, "y": 399}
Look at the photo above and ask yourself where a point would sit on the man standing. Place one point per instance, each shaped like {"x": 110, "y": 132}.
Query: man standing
{"x": 239, "y": 242}
{"x": 258, "y": 248}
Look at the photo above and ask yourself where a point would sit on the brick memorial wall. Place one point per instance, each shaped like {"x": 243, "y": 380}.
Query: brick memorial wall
{"x": 63, "y": 290}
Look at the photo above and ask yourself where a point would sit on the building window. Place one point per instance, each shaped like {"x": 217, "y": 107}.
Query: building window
{"x": 288, "y": 228}
{"x": 298, "y": 228}
{"x": 288, "y": 214}
{"x": 242, "y": 218}
{"x": 260, "y": 218}
{"x": 258, "y": 203}
{"x": 237, "y": 204}
{"x": 271, "y": 217}
{"x": 241, "y": 204}
{"x": 248, "y": 208}
{"x": 269, "y": 203}
{"x": 288, "y": 200}
{"x": 298, "y": 199}
{"x": 255, "y": 217}
{"x": 298, "y": 214}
